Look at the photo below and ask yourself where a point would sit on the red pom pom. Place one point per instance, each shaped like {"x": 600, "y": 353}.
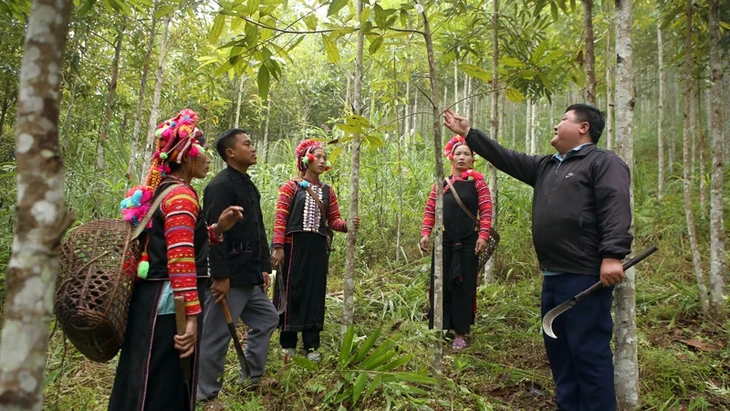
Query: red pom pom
{"x": 310, "y": 157}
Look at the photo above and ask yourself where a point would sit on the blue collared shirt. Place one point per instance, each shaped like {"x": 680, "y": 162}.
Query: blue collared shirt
{"x": 560, "y": 159}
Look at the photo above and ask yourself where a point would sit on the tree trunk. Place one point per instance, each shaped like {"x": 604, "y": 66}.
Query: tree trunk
{"x": 702, "y": 156}
{"x": 489, "y": 271}
{"x": 660, "y": 121}
{"x": 513, "y": 115}
{"x": 348, "y": 307}
{"x": 416, "y": 116}
{"x": 590, "y": 57}
{"x": 111, "y": 96}
{"x": 672, "y": 139}
{"x": 626, "y": 363}
{"x": 155, "y": 109}
{"x": 239, "y": 97}
{"x": 610, "y": 77}
{"x": 137, "y": 127}
{"x": 456, "y": 84}
{"x": 265, "y": 148}
{"x": 41, "y": 214}
{"x": 533, "y": 138}
{"x": 687, "y": 172}
{"x": 528, "y": 116}
{"x": 717, "y": 238}
{"x": 438, "y": 249}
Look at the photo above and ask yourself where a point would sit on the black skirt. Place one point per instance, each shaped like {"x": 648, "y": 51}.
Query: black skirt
{"x": 460, "y": 283}
{"x": 304, "y": 275}
{"x": 149, "y": 376}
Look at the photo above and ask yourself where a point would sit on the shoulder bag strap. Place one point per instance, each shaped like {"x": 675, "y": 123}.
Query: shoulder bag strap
{"x": 138, "y": 230}
{"x": 458, "y": 200}
{"x": 319, "y": 203}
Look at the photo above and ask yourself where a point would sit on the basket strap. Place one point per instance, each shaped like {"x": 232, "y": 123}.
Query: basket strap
{"x": 138, "y": 230}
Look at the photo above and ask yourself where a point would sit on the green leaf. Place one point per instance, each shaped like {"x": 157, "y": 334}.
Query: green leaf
{"x": 414, "y": 377}
{"x": 375, "y": 44}
{"x": 362, "y": 379}
{"x": 396, "y": 363}
{"x": 263, "y": 81}
{"x": 311, "y": 21}
{"x": 305, "y": 363}
{"x": 252, "y": 6}
{"x": 365, "y": 15}
{"x": 511, "y": 62}
{"x": 348, "y": 128}
{"x": 374, "y": 141}
{"x": 252, "y": 34}
{"x": 724, "y": 25}
{"x": 215, "y": 32}
{"x": 554, "y": 11}
{"x": 86, "y": 7}
{"x": 477, "y": 72}
{"x": 373, "y": 385}
{"x": 539, "y": 5}
{"x": 366, "y": 346}
{"x": 346, "y": 346}
{"x": 514, "y": 95}
{"x": 336, "y": 6}
{"x": 358, "y": 121}
{"x": 333, "y": 55}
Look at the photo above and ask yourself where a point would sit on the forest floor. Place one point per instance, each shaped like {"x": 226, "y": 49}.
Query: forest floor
{"x": 684, "y": 358}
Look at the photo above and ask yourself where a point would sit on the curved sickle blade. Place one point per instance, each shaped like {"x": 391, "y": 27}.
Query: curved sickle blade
{"x": 547, "y": 321}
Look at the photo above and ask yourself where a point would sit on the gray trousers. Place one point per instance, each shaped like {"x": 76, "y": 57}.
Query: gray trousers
{"x": 254, "y": 308}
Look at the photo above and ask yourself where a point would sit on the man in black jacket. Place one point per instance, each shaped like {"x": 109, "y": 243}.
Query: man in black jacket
{"x": 581, "y": 216}
{"x": 239, "y": 269}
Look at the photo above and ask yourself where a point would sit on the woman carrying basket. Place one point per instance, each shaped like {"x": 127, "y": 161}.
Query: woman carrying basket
{"x": 149, "y": 375}
{"x": 306, "y": 212}
{"x": 463, "y": 238}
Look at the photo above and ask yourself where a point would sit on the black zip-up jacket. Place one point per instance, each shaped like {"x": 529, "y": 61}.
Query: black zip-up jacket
{"x": 581, "y": 210}
{"x": 244, "y": 253}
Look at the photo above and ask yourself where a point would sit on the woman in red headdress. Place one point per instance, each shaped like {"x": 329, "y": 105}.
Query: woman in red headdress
{"x": 306, "y": 212}
{"x": 463, "y": 238}
{"x": 175, "y": 243}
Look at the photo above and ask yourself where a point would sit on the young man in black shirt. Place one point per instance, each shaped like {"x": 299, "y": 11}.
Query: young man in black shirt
{"x": 239, "y": 268}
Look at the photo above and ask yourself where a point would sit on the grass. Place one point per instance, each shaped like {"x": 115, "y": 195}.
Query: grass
{"x": 504, "y": 368}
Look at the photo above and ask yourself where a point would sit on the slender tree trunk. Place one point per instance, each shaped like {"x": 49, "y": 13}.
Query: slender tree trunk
{"x": 717, "y": 238}
{"x": 348, "y": 307}
{"x": 533, "y": 137}
{"x": 438, "y": 251}
{"x": 702, "y": 156}
{"x": 513, "y": 131}
{"x": 456, "y": 84}
{"x": 416, "y": 116}
{"x": 239, "y": 97}
{"x": 265, "y": 147}
{"x": 610, "y": 77}
{"x": 101, "y": 143}
{"x": 687, "y": 172}
{"x": 590, "y": 57}
{"x": 489, "y": 271}
{"x": 41, "y": 214}
{"x": 155, "y": 109}
{"x": 625, "y": 360}
{"x": 660, "y": 121}
{"x": 67, "y": 120}
{"x": 137, "y": 127}
{"x": 528, "y": 116}
{"x": 406, "y": 108}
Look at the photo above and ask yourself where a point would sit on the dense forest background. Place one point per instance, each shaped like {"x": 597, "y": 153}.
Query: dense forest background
{"x": 289, "y": 70}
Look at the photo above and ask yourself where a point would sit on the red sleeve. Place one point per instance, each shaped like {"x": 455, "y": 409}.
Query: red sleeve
{"x": 281, "y": 217}
{"x": 429, "y": 214}
{"x": 485, "y": 208}
{"x": 180, "y": 209}
{"x": 334, "y": 219}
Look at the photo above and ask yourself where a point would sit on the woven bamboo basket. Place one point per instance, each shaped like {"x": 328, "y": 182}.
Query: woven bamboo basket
{"x": 95, "y": 280}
